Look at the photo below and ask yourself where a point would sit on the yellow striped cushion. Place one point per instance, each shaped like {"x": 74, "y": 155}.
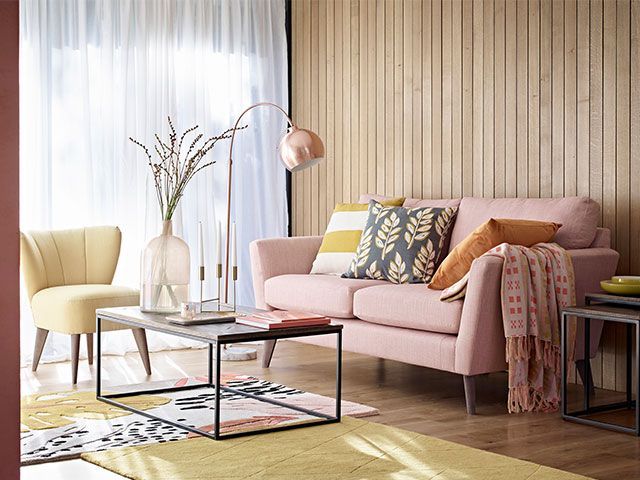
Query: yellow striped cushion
{"x": 343, "y": 235}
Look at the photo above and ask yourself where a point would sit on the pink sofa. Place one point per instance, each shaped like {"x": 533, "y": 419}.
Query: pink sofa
{"x": 409, "y": 323}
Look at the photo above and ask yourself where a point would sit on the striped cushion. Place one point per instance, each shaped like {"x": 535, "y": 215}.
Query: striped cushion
{"x": 342, "y": 236}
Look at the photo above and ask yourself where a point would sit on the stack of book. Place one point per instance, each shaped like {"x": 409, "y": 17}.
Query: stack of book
{"x": 283, "y": 319}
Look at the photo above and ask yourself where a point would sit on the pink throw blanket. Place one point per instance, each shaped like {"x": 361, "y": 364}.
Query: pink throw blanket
{"x": 537, "y": 282}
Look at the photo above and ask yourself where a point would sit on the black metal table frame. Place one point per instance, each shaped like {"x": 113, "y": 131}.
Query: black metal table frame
{"x": 214, "y": 375}
{"x": 588, "y": 409}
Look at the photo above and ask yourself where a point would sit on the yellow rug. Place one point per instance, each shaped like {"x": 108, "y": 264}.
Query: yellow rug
{"x": 352, "y": 450}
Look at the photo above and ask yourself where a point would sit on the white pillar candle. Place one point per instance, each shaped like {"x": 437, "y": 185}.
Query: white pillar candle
{"x": 201, "y": 244}
{"x": 219, "y": 245}
{"x": 234, "y": 258}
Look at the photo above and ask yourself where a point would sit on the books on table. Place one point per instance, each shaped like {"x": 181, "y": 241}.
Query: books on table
{"x": 283, "y": 319}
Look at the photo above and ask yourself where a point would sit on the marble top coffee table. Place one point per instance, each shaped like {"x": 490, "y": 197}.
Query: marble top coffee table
{"x": 216, "y": 336}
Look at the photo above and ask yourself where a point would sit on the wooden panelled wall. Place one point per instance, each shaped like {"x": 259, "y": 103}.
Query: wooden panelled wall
{"x": 494, "y": 98}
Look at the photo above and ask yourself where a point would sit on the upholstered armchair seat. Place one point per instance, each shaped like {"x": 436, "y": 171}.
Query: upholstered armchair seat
{"x": 72, "y": 308}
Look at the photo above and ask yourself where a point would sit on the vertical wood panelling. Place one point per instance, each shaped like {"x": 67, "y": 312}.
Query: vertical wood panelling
{"x": 445, "y": 98}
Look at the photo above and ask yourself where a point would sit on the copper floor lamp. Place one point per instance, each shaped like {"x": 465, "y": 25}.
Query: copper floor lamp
{"x": 299, "y": 149}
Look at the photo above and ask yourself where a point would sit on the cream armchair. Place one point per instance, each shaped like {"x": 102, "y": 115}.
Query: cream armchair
{"x": 68, "y": 275}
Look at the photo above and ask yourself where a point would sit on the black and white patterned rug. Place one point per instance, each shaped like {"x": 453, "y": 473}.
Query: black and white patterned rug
{"x": 63, "y": 425}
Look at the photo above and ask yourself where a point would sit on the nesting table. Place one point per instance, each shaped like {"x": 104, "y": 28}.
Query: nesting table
{"x": 608, "y": 308}
{"x": 216, "y": 336}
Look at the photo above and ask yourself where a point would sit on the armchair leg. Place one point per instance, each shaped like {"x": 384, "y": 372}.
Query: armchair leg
{"x": 470, "y": 393}
{"x": 141, "y": 340}
{"x": 90, "y": 348}
{"x": 75, "y": 354}
{"x": 267, "y": 352}
{"x": 41, "y": 338}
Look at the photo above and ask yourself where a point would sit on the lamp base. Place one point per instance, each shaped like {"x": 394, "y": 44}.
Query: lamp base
{"x": 238, "y": 354}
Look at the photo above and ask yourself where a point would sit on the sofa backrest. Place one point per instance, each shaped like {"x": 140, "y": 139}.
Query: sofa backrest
{"x": 579, "y": 216}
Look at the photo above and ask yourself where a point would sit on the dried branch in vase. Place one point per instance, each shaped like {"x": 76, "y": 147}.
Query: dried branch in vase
{"x": 172, "y": 171}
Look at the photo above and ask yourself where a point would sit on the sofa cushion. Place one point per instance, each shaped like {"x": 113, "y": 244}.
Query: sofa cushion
{"x": 408, "y": 306}
{"x": 324, "y": 294}
{"x": 579, "y": 216}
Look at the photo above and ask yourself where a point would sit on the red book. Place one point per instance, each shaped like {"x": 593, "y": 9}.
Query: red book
{"x": 257, "y": 322}
{"x": 287, "y": 315}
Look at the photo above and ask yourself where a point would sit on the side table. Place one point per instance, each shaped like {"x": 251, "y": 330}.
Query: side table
{"x": 608, "y": 308}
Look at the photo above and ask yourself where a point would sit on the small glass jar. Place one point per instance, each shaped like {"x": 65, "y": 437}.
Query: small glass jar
{"x": 164, "y": 273}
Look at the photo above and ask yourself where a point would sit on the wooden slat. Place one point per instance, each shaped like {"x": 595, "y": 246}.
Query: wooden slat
{"x": 447, "y": 86}
{"x": 456, "y": 99}
{"x": 467, "y": 98}
{"x": 354, "y": 119}
{"x": 533, "y": 133}
{"x": 511, "y": 93}
{"x": 381, "y": 124}
{"x": 416, "y": 123}
{"x": 583, "y": 95}
{"x": 322, "y": 114}
{"x": 570, "y": 98}
{"x": 314, "y": 122}
{"x": 407, "y": 98}
{"x": 478, "y": 97}
{"x": 426, "y": 100}
{"x": 609, "y": 118}
{"x": 488, "y": 152}
{"x": 622, "y": 109}
{"x": 499, "y": 71}
{"x": 398, "y": 125}
{"x": 557, "y": 93}
{"x": 522, "y": 79}
{"x": 545, "y": 97}
{"x": 330, "y": 142}
{"x": 436, "y": 99}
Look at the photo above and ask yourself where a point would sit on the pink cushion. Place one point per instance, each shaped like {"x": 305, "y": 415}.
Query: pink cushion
{"x": 324, "y": 294}
{"x": 579, "y": 216}
{"x": 409, "y": 306}
{"x": 413, "y": 202}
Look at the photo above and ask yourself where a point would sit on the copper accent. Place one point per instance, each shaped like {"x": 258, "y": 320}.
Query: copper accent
{"x": 299, "y": 149}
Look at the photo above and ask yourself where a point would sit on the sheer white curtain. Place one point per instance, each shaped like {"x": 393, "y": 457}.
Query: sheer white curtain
{"x": 94, "y": 73}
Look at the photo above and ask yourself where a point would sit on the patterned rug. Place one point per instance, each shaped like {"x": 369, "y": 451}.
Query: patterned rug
{"x": 351, "y": 450}
{"x": 64, "y": 425}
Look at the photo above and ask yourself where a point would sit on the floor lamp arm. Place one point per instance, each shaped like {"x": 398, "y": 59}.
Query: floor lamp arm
{"x": 233, "y": 136}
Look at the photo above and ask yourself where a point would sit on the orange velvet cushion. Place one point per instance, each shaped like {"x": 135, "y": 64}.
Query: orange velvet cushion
{"x": 488, "y": 235}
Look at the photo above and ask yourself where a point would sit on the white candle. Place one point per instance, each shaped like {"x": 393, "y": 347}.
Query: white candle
{"x": 234, "y": 258}
{"x": 201, "y": 244}
{"x": 219, "y": 244}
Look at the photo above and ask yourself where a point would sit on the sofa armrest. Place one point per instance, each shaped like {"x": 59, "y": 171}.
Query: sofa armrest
{"x": 272, "y": 257}
{"x": 602, "y": 238}
{"x": 480, "y": 347}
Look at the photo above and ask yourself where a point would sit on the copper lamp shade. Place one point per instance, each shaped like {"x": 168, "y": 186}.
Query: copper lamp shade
{"x": 300, "y": 149}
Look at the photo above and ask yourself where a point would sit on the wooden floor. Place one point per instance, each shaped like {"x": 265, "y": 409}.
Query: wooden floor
{"x": 418, "y": 399}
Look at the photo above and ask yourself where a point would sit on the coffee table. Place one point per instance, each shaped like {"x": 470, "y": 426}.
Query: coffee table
{"x": 216, "y": 336}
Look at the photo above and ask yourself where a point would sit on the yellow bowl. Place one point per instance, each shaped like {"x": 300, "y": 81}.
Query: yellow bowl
{"x": 617, "y": 288}
{"x": 626, "y": 279}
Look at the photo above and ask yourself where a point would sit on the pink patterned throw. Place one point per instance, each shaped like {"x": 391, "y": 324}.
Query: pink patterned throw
{"x": 537, "y": 282}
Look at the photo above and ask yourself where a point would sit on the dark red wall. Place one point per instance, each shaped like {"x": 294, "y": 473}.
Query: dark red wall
{"x": 9, "y": 245}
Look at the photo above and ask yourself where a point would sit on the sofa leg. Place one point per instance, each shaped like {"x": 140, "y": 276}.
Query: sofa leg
{"x": 267, "y": 352}
{"x": 75, "y": 354}
{"x": 470, "y": 393}
{"x": 41, "y": 338}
